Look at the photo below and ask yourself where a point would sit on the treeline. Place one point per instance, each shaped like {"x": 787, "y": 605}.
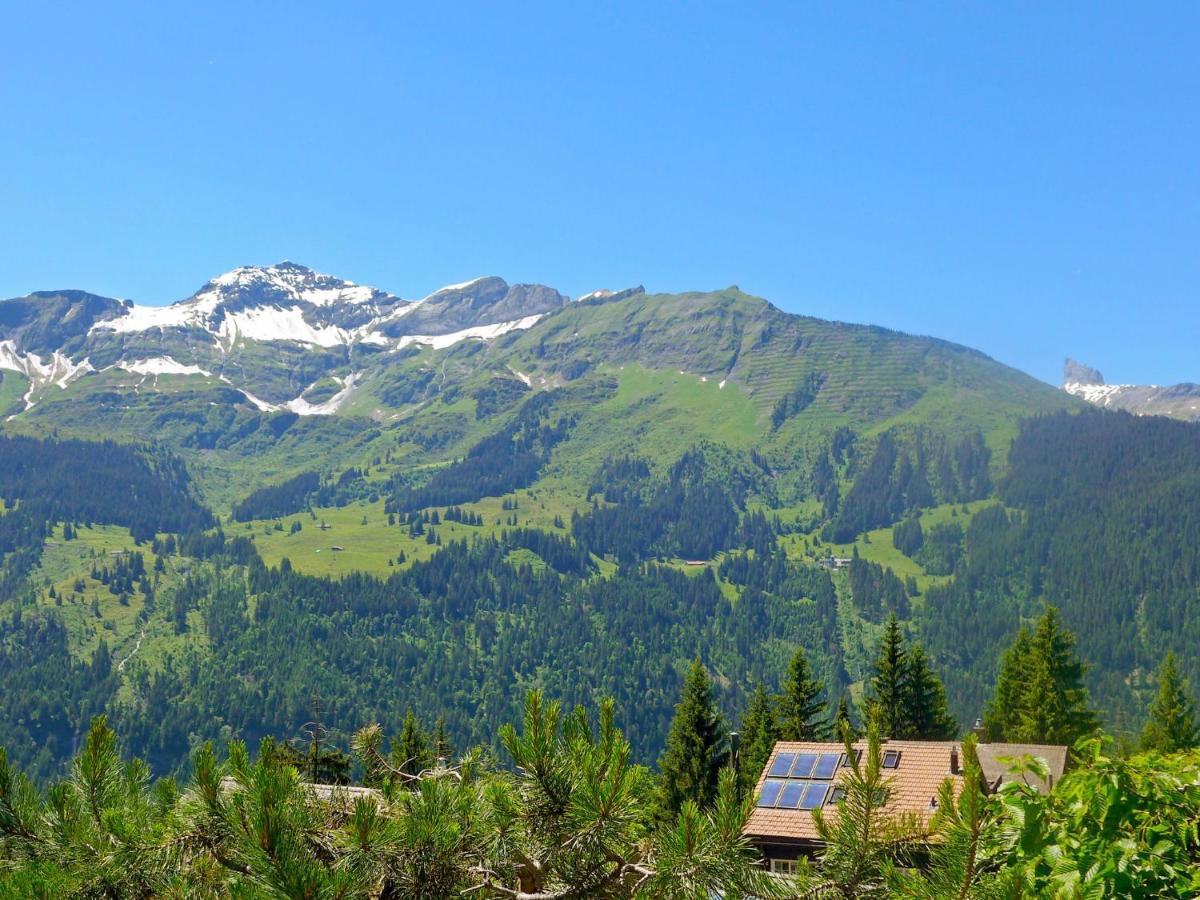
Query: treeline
{"x": 277, "y": 500}
{"x": 905, "y": 472}
{"x": 98, "y": 483}
{"x": 503, "y": 462}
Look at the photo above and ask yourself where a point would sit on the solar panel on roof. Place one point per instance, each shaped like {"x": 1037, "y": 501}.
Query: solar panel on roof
{"x": 782, "y": 765}
{"x": 804, "y": 765}
{"x": 789, "y": 797}
{"x": 814, "y": 795}
{"x": 826, "y": 765}
{"x": 770, "y": 792}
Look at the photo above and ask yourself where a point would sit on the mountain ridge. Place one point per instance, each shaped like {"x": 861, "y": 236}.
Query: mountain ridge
{"x": 1178, "y": 401}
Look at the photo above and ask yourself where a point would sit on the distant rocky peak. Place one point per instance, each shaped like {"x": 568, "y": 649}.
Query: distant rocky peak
{"x": 285, "y": 282}
{"x": 1077, "y": 373}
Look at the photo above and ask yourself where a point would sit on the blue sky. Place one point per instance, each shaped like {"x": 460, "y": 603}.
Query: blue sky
{"x": 1021, "y": 178}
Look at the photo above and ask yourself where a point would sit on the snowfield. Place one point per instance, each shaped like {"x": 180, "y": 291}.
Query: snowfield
{"x": 162, "y": 365}
{"x": 1099, "y": 394}
{"x": 480, "y": 332}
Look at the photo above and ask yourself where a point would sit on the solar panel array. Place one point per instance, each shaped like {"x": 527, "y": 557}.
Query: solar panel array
{"x": 799, "y": 780}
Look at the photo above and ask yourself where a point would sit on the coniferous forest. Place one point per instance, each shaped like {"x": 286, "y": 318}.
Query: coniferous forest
{"x": 607, "y": 611}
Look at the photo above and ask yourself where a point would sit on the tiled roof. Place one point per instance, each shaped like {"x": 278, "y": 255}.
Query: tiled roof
{"x": 922, "y": 768}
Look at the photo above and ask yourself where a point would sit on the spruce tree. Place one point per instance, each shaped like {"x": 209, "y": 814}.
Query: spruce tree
{"x": 759, "y": 732}
{"x": 1003, "y": 713}
{"x": 843, "y": 721}
{"x": 1056, "y": 645}
{"x": 801, "y": 711}
{"x": 695, "y": 745}
{"x": 442, "y": 748}
{"x": 411, "y": 754}
{"x": 1172, "y": 723}
{"x": 889, "y": 684}
{"x": 926, "y": 715}
{"x": 1040, "y": 697}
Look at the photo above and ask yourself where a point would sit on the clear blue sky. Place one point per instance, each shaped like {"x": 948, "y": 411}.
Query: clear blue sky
{"x": 1020, "y": 178}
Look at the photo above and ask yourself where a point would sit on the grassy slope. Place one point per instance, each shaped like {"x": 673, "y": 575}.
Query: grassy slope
{"x": 65, "y": 561}
{"x": 13, "y": 386}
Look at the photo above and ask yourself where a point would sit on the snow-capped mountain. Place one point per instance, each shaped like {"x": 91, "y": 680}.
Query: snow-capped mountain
{"x": 1179, "y": 401}
{"x": 272, "y": 332}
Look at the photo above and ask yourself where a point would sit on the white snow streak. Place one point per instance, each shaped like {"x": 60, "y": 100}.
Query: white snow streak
{"x": 330, "y": 406}
{"x": 59, "y": 370}
{"x": 456, "y": 287}
{"x": 479, "y": 332}
{"x": 162, "y": 365}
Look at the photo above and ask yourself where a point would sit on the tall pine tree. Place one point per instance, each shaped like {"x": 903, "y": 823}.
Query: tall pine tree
{"x": 927, "y": 717}
{"x": 695, "y": 747}
{"x": 759, "y": 732}
{"x": 843, "y": 720}
{"x": 801, "y": 710}
{"x": 1003, "y": 714}
{"x": 411, "y": 754}
{"x": 889, "y": 684}
{"x": 1040, "y": 697}
{"x": 1172, "y": 723}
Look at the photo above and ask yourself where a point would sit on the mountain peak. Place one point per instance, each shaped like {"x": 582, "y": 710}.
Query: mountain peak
{"x": 285, "y": 281}
{"x": 1077, "y": 373}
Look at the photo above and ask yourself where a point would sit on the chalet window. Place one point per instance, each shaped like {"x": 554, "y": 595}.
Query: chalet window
{"x": 784, "y": 867}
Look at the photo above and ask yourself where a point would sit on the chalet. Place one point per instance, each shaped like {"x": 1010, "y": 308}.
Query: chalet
{"x": 800, "y": 777}
{"x": 837, "y": 562}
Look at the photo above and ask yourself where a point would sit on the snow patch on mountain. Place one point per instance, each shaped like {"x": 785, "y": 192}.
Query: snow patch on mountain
{"x": 330, "y": 406}
{"x": 147, "y": 318}
{"x": 1098, "y": 394}
{"x": 162, "y": 365}
{"x": 479, "y": 332}
{"x": 462, "y": 285}
{"x": 267, "y": 323}
{"x": 59, "y": 370}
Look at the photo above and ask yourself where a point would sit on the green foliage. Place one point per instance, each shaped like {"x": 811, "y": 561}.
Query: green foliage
{"x": 571, "y": 820}
{"x": 907, "y": 697}
{"x": 888, "y": 684}
{"x": 925, "y": 701}
{"x": 695, "y": 748}
{"x": 1171, "y": 725}
{"x": 1040, "y": 697}
{"x": 802, "y": 713}
{"x": 759, "y": 732}
{"x": 1111, "y": 828}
